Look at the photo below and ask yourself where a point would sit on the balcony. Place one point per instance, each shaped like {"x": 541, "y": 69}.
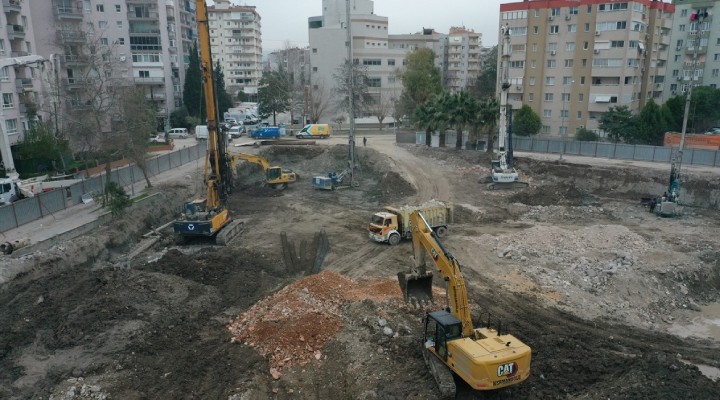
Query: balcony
{"x": 68, "y": 12}
{"x": 18, "y": 53}
{"x": 147, "y": 16}
{"x": 170, "y": 3}
{"x": 74, "y": 83}
{"x": 24, "y": 84}
{"x": 71, "y": 36}
{"x": 699, "y": 49}
{"x": 149, "y": 80}
{"x": 144, "y": 31}
{"x": 12, "y": 6}
{"x": 155, "y": 96}
{"x": 72, "y": 59}
{"x": 15, "y": 32}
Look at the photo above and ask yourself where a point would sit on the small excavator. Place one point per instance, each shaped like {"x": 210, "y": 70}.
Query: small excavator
{"x": 484, "y": 358}
{"x": 275, "y": 177}
{"x": 503, "y": 174}
{"x": 209, "y": 217}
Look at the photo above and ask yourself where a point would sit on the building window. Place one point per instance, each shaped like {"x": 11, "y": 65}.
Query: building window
{"x": 536, "y": 29}
{"x": 551, "y": 64}
{"x": 567, "y": 80}
{"x": 585, "y": 45}
{"x": 121, "y": 40}
{"x": 581, "y": 97}
{"x": 146, "y": 58}
{"x": 374, "y": 82}
{"x": 569, "y": 63}
{"x": 533, "y": 64}
{"x": 550, "y": 80}
{"x": 579, "y": 115}
{"x": 4, "y": 71}
{"x": 102, "y": 24}
{"x": 570, "y": 46}
{"x": 119, "y": 24}
{"x": 572, "y": 28}
{"x": 617, "y": 43}
{"x": 566, "y": 97}
{"x": 547, "y": 113}
{"x": 563, "y": 113}
{"x": 555, "y": 12}
{"x": 715, "y": 72}
{"x": 537, "y": 12}
{"x": 582, "y": 80}
{"x": 531, "y": 96}
{"x": 681, "y": 28}
{"x": 118, "y": 8}
{"x": 100, "y": 8}
{"x": 315, "y": 51}
{"x": 144, "y": 74}
{"x": 549, "y": 97}
{"x": 546, "y": 129}
{"x": 683, "y": 13}
{"x": 552, "y": 46}
{"x": 11, "y": 126}
{"x": 391, "y": 61}
{"x": 573, "y": 11}
{"x": 104, "y": 41}
{"x": 372, "y": 61}
{"x": 535, "y": 47}
{"x": 314, "y": 69}
{"x": 554, "y": 29}
{"x": 517, "y": 64}
{"x": 7, "y": 99}
{"x": 532, "y": 81}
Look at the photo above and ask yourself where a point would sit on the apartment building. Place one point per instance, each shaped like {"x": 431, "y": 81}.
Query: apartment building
{"x": 372, "y": 47}
{"x": 143, "y": 43}
{"x": 236, "y": 41}
{"x": 20, "y": 86}
{"x": 573, "y": 60}
{"x": 694, "y": 47}
{"x": 464, "y": 61}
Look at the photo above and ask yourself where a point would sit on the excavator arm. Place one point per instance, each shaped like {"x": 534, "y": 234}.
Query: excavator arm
{"x": 425, "y": 241}
{"x": 261, "y": 161}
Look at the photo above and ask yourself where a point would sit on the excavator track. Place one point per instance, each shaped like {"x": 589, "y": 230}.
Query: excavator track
{"x": 229, "y": 232}
{"x": 441, "y": 373}
{"x": 507, "y": 186}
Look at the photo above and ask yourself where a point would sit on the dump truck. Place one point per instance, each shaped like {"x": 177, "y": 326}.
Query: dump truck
{"x": 393, "y": 224}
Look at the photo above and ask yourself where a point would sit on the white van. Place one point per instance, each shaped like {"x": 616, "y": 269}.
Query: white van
{"x": 181, "y": 133}
{"x": 235, "y": 131}
{"x": 201, "y": 132}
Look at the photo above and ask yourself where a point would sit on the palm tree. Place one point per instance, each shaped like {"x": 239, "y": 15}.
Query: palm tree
{"x": 489, "y": 113}
{"x": 461, "y": 111}
{"x": 443, "y": 105}
{"x": 424, "y": 119}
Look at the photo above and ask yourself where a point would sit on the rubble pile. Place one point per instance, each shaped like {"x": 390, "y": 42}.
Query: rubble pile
{"x": 292, "y": 326}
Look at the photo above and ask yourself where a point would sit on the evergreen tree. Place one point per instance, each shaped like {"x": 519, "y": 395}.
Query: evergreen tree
{"x": 526, "y": 122}
{"x": 421, "y": 79}
{"x": 192, "y": 91}
{"x": 224, "y": 99}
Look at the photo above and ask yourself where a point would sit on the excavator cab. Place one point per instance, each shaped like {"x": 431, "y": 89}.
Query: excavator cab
{"x": 274, "y": 174}
{"x": 440, "y": 328}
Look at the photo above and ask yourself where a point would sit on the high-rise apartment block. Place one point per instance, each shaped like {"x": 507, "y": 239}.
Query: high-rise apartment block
{"x": 372, "y": 47}
{"x": 464, "y": 58}
{"x": 141, "y": 43}
{"x": 19, "y": 85}
{"x": 573, "y": 60}
{"x": 694, "y": 48}
{"x": 236, "y": 41}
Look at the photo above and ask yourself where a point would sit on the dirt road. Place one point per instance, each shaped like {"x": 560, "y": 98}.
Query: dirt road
{"x": 581, "y": 272}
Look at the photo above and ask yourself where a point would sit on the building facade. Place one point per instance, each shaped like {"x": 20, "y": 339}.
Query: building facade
{"x": 464, "y": 58}
{"x": 236, "y": 42}
{"x": 694, "y": 48}
{"x": 573, "y": 60}
{"x": 381, "y": 54}
{"x": 20, "y": 86}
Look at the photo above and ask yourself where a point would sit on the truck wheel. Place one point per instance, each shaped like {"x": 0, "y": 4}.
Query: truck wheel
{"x": 441, "y": 231}
{"x": 394, "y": 239}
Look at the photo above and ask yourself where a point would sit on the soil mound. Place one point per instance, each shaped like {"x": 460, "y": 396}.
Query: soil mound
{"x": 561, "y": 194}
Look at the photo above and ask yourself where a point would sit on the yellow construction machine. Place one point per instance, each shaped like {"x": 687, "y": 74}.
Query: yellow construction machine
{"x": 209, "y": 217}
{"x": 275, "y": 177}
{"x": 483, "y": 357}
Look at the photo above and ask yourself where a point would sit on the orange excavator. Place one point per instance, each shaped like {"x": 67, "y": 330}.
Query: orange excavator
{"x": 483, "y": 357}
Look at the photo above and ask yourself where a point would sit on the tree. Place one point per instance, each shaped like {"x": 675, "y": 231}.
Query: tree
{"x": 41, "y": 145}
{"x": 619, "y": 123}
{"x": 318, "y": 102}
{"x": 424, "y": 118}
{"x": 361, "y": 96}
{"x": 421, "y": 79}
{"x": 489, "y": 113}
{"x": 526, "y": 122}
{"x": 676, "y": 105}
{"x": 705, "y": 107}
{"x": 225, "y": 101}
{"x": 192, "y": 89}
{"x": 274, "y": 93}
{"x": 485, "y": 85}
{"x": 135, "y": 123}
{"x": 652, "y": 124}
{"x": 586, "y": 135}
{"x": 461, "y": 109}
{"x": 178, "y": 118}
{"x": 382, "y": 107}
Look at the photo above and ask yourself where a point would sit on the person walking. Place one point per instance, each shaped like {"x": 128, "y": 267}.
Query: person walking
{"x": 364, "y": 141}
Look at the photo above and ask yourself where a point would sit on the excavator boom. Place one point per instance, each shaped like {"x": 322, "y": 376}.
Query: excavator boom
{"x": 484, "y": 357}
{"x": 275, "y": 177}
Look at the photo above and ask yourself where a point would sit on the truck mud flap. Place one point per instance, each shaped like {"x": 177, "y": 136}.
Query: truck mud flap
{"x": 416, "y": 287}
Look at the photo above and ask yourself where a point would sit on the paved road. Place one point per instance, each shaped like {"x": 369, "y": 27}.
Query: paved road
{"x": 73, "y": 217}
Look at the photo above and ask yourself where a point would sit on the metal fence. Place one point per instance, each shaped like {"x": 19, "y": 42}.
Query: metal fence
{"x": 619, "y": 151}
{"x": 33, "y": 208}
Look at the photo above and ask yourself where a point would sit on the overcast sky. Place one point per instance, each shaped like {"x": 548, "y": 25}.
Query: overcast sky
{"x": 286, "y": 20}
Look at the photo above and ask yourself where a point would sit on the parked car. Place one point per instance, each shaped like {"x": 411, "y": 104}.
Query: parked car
{"x": 201, "y": 132}
{"x": 160, "y": 139}
{"x": 713, "y": 131}
{"x": 181, "y": 133}
{"x": 235, "y": 131}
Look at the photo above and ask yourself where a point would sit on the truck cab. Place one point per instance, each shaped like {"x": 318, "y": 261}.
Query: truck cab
{"x": 384, "y": 228}
{"x": 8, "y": 191}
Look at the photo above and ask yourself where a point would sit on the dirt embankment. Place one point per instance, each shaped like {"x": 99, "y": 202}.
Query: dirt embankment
{"x": 569, "y": 269}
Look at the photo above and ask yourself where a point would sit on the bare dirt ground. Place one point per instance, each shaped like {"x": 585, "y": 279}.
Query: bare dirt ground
{"x": 603, "y": 291}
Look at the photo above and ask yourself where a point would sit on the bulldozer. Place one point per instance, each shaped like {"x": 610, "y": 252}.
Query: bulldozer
{"x": 483, "y": 357}
{"x": 275, "y": 177}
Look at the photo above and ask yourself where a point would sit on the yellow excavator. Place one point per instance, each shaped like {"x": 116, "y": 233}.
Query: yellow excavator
{"x": 483, "y": 357}
{"x": 209, "y": 217}
{"x": 275, "y": 177}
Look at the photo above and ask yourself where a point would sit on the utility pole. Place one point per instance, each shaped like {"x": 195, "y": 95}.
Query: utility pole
{"x": 351, "y": 94}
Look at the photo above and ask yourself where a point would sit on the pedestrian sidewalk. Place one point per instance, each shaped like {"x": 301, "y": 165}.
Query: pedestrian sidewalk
{"x": 77, "y": 216}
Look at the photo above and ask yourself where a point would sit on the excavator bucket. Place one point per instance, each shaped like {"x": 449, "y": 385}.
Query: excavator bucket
{"x": 416, "y": 286}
